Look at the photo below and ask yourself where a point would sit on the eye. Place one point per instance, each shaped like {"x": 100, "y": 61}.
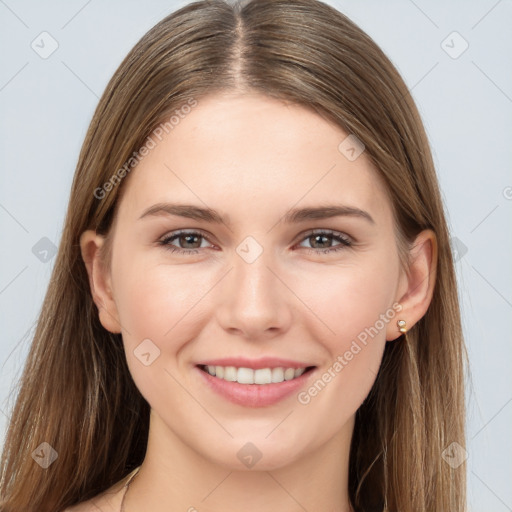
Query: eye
{"x": 321, "y": 241}
{"x": 190, "y": 242}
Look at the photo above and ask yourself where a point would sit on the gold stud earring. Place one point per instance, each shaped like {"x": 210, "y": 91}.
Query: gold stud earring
{"x": 402, "y": 326}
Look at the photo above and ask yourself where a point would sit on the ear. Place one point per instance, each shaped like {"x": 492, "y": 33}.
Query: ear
{"x": 99, "y": 280}
{"x": 417, "y": 283}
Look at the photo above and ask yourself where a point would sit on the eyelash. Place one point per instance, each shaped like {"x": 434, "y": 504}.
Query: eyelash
{"x": 345, "y": 242}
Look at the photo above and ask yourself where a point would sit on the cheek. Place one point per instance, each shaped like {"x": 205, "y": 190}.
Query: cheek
{"x": 350, "y": 299}
{"x": 162, "y": 303}
{"x": 155, "y": 304}
{"x": 355, "y": 303}
{"x": 155, "y": 300}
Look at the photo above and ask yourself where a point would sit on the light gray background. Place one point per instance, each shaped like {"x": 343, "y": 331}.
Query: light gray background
{"x": 466, "y": 104}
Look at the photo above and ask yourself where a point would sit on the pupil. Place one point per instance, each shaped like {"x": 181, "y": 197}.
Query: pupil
{"x": 186, "y": 238}
{"x": 317, "y": 237}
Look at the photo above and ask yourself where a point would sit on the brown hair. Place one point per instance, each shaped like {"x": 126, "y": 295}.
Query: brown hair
{"x": 76, "y": 392}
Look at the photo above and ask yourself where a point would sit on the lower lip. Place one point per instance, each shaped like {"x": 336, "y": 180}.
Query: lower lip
{"x": 255, "y": 395}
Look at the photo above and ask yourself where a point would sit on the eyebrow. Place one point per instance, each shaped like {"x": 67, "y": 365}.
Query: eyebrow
{"x": 294, "y": 215}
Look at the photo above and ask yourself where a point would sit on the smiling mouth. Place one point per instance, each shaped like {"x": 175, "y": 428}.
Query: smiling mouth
{"x": 261, "y": 376}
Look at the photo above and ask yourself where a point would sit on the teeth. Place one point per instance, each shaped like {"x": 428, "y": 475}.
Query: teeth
{"x": 245, "y": 376}
{"x": 277, "y": 375}
{"x": 263, "y": 376}
{"x": 289, "y": 374}
{"x": 229, "y": 373}
{"x": 250, "y": 376}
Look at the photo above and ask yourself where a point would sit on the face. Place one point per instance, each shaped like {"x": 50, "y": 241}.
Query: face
{"x": 264, "y": 279}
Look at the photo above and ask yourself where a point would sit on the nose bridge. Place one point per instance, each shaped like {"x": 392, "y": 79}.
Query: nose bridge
{"x": 254, "y": 286}
{"x": 252, "y": 279}
{"x": 253, "y": 300}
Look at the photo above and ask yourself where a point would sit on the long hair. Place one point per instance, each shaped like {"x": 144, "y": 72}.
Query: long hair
{"x": 76, "y": 392}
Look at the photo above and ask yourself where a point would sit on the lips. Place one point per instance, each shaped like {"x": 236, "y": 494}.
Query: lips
{"x": 247, "y": 381}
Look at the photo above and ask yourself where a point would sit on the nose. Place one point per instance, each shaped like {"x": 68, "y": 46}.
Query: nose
{"x": 254, "y": 301}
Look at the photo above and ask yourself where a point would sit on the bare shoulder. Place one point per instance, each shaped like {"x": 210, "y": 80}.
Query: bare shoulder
{"x": 107, "y": 501}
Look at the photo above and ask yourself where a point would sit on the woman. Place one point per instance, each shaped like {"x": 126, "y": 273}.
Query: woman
{"x": 254, "y": 302}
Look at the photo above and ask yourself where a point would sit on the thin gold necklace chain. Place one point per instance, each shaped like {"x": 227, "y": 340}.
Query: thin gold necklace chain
{"x": 126, "y": 485}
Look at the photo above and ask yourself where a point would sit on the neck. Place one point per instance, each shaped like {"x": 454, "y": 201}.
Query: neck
{"x": 176, "y": 478}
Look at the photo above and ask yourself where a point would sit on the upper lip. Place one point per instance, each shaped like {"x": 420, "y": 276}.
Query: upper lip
{"x": 255, "y": 364}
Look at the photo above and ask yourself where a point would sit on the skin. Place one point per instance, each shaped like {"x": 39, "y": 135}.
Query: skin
{"x": 251, "y": 158}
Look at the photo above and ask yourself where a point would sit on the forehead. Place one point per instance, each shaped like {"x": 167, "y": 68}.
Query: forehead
{"x": 253, "y": 155}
